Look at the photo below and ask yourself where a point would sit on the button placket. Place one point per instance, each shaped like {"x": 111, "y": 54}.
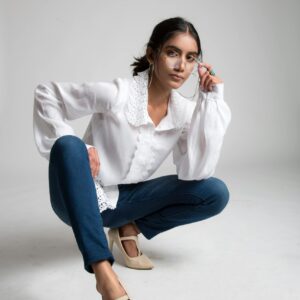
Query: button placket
{"x": 150, "y": 158}
{"x": 144, "y": 149}
{"x": 143, "y": 155}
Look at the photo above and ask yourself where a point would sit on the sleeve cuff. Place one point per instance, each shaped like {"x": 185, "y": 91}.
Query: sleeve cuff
{"x": 217, "y": 92}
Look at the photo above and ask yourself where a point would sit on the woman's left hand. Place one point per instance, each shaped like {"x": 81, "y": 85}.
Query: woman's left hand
{"x": 207, "y": 80}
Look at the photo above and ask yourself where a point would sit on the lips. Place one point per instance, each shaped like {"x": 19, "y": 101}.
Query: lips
{"x": 175, "y": 76}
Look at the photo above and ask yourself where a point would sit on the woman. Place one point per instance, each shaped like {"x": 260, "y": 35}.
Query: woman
{"x": 101, "y": 180}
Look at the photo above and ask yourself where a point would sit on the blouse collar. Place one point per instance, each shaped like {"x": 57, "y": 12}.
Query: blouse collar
{"x": 136, "y": 109}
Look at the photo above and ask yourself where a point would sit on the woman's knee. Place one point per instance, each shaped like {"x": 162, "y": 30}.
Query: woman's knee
{"x": 213, "y": 192}
{"x": 67, "y": 145}
{"x": 220, "y": 194}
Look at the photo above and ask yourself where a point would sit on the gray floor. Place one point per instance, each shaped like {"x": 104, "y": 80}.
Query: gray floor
{"x": 249, "y": 251}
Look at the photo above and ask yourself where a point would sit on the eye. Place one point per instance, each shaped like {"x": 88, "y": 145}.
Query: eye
{"x": 191, "y": 58}
{"x": 171, "y": 53}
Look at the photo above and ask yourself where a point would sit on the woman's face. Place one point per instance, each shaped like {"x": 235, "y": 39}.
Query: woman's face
{"x": 176, "y": 58}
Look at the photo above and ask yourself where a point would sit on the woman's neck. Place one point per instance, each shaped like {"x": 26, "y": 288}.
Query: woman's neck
{"x": 158, "y": 95}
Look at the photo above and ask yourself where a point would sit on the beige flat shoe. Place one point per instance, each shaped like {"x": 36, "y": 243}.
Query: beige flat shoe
{"x": 140, "y": 262}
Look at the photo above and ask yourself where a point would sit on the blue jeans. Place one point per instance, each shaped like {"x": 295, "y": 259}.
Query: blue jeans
{"x": 154, "y": 205}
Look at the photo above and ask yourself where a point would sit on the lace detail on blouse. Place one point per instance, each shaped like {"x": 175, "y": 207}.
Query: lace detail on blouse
{"x": 136, "y": 113}
{"x": 136, "y": 110}
{"x": 103, "y": 201}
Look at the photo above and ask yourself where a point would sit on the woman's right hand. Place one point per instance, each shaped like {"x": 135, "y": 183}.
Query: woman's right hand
{"x": 94, "y": 161}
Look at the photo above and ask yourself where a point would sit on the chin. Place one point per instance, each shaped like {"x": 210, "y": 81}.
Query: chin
{"x": 175, "y": 85}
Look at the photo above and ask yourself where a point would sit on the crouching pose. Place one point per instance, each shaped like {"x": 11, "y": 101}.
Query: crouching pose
{"x": 102, "y": 179}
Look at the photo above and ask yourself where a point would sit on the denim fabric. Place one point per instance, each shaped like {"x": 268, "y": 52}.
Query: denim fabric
{"x": 155, "y": 205}
{"x": 162, "y": 203}
{"x": 74, "y": 200}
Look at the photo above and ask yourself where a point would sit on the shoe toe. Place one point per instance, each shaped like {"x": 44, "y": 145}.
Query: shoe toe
{"x": 141, "y": 262}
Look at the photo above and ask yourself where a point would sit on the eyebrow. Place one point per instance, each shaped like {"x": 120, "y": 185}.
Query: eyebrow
{"x": 179, "y": 50}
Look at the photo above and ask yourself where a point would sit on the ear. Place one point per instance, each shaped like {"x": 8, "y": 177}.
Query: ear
{"x": 149, "y": 55}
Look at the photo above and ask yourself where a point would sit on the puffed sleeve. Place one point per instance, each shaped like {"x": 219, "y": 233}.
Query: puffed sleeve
{"x": 56, "y": 102}
{"x": 197, "y": 151}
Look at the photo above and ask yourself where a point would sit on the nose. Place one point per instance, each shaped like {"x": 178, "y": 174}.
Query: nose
{"x": 180, "y": 65}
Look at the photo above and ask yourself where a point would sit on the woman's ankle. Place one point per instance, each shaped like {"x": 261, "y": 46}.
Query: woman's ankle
{"x": 129, "y": 229}
{"x": 101, "y": 266}
{"x": 136, "y": 228}
{"x": 107, "y": 282}
{"x": 104, "y": 273}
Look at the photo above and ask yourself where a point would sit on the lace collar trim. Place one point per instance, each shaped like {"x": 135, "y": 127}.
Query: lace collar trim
{"x": 136, "y": 109}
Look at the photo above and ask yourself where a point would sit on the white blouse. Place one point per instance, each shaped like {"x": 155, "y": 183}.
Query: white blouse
{"x": 130, "y": 146}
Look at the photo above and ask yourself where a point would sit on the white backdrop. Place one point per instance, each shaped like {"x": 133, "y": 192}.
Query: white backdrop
{"x": 251, "y": 250}
{"x": 252, "y": 45}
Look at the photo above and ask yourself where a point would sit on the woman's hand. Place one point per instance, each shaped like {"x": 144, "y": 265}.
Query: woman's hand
{"x": 207, "y": 80}
{"x": 94, "y": 161}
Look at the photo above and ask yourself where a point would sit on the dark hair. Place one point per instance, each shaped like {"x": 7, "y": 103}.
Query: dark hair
{"x": 162, "y": 32}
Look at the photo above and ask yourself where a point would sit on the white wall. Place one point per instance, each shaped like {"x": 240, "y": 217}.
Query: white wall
{"x": 253, "y": 46}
